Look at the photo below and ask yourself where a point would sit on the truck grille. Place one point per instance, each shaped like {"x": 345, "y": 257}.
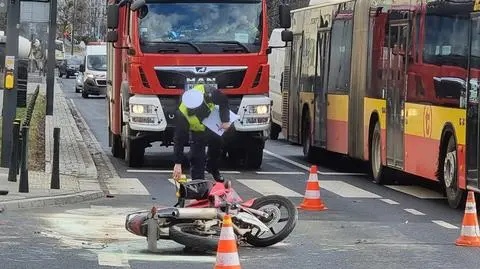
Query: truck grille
{"x": 226, "y": 77}
{"x": 285, "y": 90}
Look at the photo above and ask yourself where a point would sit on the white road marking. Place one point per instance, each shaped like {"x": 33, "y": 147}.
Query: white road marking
{"x": 279, "y": 173}
{"x": 101, "y": 230}
{"x": 389, "y": 201}
{"x": 268, "y": 187}
{"x": 417, "y": 191}
{"x": 414, "y": 212}
{"x": 346, "y": 190}
{"x": 308, "y": 168}
{"x": 444, "y": 224}
{"x": 171, "y": 171}
{"x": 126, "y": 186}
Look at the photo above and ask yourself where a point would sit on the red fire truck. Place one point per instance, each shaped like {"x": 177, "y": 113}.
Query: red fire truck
{"x": 159, "y": 48}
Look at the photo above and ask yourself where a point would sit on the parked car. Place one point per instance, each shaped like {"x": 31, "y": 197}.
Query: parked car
{"x": 70, "y": 67}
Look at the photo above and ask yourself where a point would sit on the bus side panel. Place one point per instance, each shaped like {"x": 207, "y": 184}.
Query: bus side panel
{"x": 423, "y": 132}
{"x": 371, "y": 106}
{"x": 337, "y": 123}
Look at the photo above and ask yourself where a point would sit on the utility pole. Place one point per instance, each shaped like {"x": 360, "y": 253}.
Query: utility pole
{"x": 73, "y": 22}
{"x": 52, "y": 32}
{"x": 10, "y": 95}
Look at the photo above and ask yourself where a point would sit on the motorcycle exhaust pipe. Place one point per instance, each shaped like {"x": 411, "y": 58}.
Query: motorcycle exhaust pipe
{"x": 195, "y": 213}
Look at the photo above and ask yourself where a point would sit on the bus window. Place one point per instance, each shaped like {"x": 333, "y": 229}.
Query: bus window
{"x": 340, "y": 56}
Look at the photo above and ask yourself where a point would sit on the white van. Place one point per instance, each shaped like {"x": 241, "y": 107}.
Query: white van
{"x": 276, "y": 60}
{"x": 94, "y": 69}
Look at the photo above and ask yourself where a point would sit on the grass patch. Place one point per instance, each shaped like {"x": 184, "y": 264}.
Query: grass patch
{"x": 36, "y": 136}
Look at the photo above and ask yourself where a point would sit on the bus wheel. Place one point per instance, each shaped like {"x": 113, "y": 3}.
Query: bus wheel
{"x": 448, "y": 174}
{"x": 376, "y": 155}
{"x": 307, "y": 141}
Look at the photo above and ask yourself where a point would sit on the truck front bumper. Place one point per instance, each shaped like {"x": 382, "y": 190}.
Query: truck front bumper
{"x": 150, "y": 113}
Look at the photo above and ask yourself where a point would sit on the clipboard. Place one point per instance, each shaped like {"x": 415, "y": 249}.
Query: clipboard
{"x": 214, "y": 123}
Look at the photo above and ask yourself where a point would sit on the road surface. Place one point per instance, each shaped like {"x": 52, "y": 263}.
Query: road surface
{"x": 402, "y": 225}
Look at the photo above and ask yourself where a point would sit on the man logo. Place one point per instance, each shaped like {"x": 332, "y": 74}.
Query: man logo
{"x": 201, "y": 69}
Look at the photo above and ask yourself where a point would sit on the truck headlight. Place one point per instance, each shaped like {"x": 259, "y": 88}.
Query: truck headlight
{"x": 257, "y": 109}
{"x": 141, "y": 109}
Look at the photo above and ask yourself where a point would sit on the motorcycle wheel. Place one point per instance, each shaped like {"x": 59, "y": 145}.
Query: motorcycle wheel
{"x": 262, "y": 204}
{"x": 186, "y": 234}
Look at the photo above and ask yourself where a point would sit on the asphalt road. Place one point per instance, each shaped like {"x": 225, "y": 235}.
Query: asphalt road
{"x": 402, "y": 225}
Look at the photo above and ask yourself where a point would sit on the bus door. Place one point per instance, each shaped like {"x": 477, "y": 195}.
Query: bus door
{"x": 294, "y": 94}
{"x": 323, "y": 43}
{"x": 473, "y": 104}
{"x": 398, "y": 50}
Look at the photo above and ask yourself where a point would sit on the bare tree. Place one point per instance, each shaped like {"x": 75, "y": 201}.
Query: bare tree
{"x": 70, "y": 12}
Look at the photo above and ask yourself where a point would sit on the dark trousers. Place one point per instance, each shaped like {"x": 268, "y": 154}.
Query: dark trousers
{"x": 198, "y": 157}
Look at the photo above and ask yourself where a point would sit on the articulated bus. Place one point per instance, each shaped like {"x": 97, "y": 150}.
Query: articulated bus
{"x": 386, "y": 81}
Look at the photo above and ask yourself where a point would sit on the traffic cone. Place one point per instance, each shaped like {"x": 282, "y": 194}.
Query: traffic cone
{"x": 470, "y": 234}
{"x": 227, "y": 254}
{"x": 312, "y": 200}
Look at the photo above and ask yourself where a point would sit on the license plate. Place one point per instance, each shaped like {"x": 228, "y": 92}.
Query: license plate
{"x": 189, "y": 86}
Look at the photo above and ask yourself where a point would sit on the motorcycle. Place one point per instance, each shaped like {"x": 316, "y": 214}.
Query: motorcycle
{"x": 196, "y": 220}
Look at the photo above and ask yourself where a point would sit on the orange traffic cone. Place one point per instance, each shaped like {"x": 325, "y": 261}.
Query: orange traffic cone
{"x": 227, "y": 254}
{"x": 470, "y": 234}
{"x": 312, "y": 200}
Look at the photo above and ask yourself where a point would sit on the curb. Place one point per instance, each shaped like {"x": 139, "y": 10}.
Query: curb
{"x": 57, "y": 200}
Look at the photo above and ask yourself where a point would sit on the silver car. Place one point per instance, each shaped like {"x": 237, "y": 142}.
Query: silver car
{"x": 79, "y": 82}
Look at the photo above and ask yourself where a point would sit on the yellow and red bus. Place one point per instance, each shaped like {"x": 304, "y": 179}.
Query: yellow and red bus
{"x": 386, "y": 81}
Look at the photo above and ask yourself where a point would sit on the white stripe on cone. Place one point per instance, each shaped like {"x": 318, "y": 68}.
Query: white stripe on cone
{"x": 312, "y": 194}
{"x": 313, "y": 178}
{"x": 228, "y": 259}
{"x": 227, "y": 233}
{"x": 470, "y": 208}
{"x": 470, "y": 231}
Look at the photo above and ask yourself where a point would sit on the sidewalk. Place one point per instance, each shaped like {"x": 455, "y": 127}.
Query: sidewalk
{"x": 78, "y": 174}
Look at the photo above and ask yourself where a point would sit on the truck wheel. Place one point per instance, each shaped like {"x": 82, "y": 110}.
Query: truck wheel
{"x": 254, "y": 155}
{"x": 133, "y": 153}
{"x": 448, "y": 173}
{"x": 117, "y": 148}
{"x": 275, "y": 130}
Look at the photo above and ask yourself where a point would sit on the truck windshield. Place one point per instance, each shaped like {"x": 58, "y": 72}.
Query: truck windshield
{"x": 97, "y": 62}
{"x": 201, "y": 27}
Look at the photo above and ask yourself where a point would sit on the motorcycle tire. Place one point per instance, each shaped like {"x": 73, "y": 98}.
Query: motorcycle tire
{"x": 179, "y": 234}
{"x": 291, "y": 223}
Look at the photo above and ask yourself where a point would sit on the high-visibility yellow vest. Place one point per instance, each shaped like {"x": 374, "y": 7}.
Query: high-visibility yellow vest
{"x": 195, "y": 124}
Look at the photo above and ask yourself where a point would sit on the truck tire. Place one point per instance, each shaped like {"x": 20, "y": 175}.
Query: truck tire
{"x": 117, "y": 148}
{"x": 254, "y": 155}
{"x": 275, "y": 130}
{"x": 134, "y": 152}
{"x": 376, "y": 155}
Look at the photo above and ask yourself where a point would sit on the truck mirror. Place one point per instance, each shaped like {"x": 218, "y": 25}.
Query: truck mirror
{"x": 287, "y": 36}
{"x": 112, "y": 36}
{"x": 137, "y": 4}
{"x": 112, "y": 16}
{"x": 82, "y": 68}
{"x": 285, "y": 20}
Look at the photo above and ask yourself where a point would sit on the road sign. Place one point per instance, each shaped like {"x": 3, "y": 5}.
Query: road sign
{"x": 10, "y": 62}
{"x": 34, "y": 12}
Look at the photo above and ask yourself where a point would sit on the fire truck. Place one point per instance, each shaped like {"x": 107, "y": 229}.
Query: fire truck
{"x": 159, "y": 48}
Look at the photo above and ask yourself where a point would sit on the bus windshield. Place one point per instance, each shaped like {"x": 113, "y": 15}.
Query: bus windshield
{"x": 190, "y": 27}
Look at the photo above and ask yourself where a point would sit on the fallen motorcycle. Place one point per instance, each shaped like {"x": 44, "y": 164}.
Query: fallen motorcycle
{"x": 197, "y": 224}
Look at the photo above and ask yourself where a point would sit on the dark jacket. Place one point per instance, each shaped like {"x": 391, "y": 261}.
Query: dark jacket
{"x": 182, "y": 131}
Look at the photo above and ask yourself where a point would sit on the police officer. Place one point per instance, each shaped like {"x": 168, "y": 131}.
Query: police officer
{"x": 196, "y": 105}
